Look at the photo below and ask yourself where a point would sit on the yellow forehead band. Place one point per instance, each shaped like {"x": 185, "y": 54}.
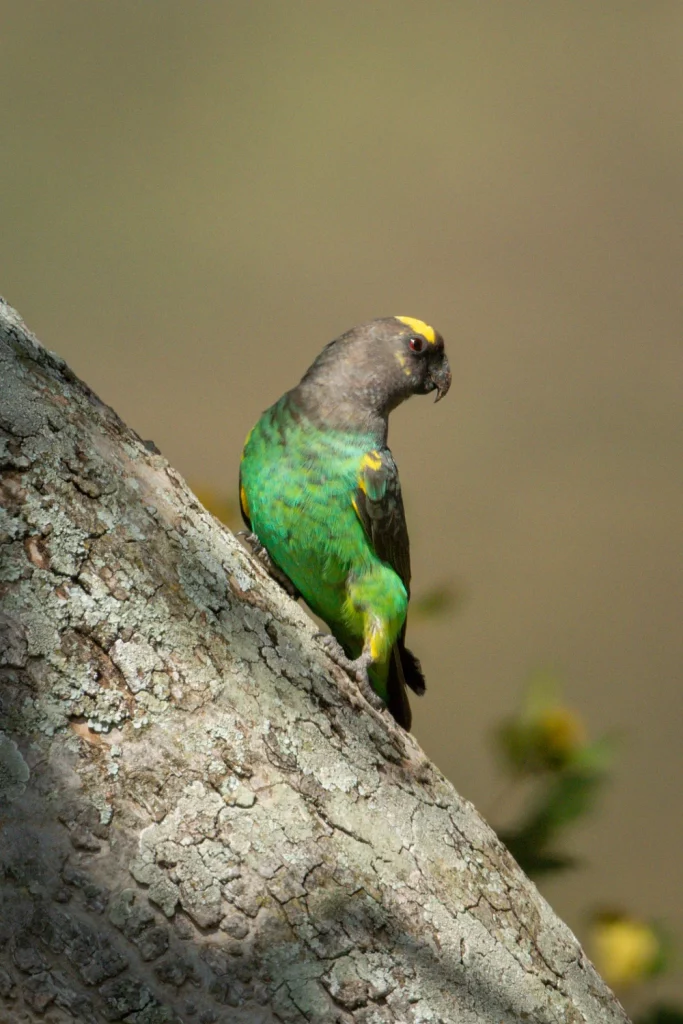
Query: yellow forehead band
{"x": 420, "y": 327}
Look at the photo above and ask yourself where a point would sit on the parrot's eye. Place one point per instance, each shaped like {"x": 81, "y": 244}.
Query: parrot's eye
{"x": 417, "y": 344}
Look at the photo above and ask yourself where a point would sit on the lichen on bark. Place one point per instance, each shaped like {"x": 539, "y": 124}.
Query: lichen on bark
{"x": 200, "y": 817}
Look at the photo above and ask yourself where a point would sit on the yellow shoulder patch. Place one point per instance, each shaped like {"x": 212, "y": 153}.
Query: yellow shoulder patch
{"x": 427, "y": 332}
{"x": 371, "y": 460}
{"x": 244, "y": 503}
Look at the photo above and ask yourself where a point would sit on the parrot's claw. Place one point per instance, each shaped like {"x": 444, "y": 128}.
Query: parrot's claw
{"x": 333, "y": 648}
{"x": 259, "y": 551}
{"x": 255, "y": 544}
{"x": 373, "y": 699}
{"x": 356, "y": 667}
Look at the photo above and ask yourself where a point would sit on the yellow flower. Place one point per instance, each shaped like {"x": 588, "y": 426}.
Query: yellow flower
{"x": 561, "y": 731}
{"x": 625, "y": 949}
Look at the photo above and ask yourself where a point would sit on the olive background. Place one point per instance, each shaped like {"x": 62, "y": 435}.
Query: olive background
{"x": 195, "y": 197}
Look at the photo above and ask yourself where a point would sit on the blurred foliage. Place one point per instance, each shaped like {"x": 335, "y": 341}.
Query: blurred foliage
{"x": 544, "y": 745}
{"x": 441, "y": 599}
{"x": 545, "y": 741}
{"x": 543, "y": 735}
{"x": 661, "y": 1014}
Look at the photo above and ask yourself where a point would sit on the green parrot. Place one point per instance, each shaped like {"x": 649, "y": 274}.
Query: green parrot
{"x": 320, "y": 495}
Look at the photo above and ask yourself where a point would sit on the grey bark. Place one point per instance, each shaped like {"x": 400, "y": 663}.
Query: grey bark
{"x": 201, "y": 819}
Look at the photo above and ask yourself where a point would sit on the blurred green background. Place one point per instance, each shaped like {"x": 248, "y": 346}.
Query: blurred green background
{"x": 195, "y": 197}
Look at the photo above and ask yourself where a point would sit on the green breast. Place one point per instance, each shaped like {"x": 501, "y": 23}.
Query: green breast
{"x": 299, "y": 481}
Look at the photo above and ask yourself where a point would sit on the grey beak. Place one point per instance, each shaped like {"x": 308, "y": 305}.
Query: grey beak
{"x": 442, "y": 379}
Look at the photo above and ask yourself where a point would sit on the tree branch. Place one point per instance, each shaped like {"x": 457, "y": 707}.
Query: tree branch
{"x": 201, "y": 819}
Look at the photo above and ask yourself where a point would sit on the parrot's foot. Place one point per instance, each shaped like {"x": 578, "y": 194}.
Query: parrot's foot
{"x": 357, "y": 667}
{"x": 259, "y": 551}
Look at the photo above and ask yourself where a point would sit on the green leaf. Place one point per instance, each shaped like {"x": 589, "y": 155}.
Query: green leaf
{"x": 566, "y": 798}
{"x": 569, "y": 796}
{"x": 532, "y": 861}
{"x": 441, "y": 599}
{"x": 543, "y": 691}
{"x": 596, "y": 757}
{"x": 661, "y": 1014}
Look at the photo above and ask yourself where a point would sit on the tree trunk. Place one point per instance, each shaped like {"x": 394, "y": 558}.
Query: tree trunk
{"x": 201, "y": 819}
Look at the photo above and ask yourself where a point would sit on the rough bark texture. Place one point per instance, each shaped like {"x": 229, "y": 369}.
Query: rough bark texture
{"x": 200, "y": 817}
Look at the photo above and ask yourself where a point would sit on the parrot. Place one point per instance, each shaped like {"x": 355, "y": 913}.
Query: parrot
{"x": 320, "y": 496}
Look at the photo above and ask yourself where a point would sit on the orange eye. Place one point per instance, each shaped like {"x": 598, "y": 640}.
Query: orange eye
{"x": 417, "y": 344}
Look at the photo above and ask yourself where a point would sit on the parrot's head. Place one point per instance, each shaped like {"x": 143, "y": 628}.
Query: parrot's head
{"x": 417, "y": 350}
{"x": 378, "y": 365}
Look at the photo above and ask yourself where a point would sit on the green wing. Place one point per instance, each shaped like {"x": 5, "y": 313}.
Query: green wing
{"x": 379, "y": 506}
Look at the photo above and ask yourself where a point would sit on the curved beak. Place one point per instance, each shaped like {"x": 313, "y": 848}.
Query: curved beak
{"x": 441, "y": 376}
